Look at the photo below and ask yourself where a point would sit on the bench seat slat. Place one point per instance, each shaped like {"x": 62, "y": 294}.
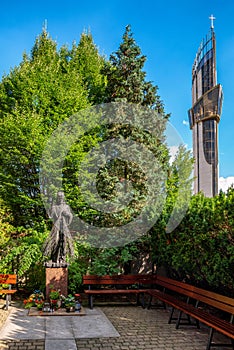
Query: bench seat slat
{"x": 8, "y": 291}
{"x": 203, "y": 316}
{"x": 116, "y": 279}
{"x": 8, "y": 279}
{"x": 213, "y": 299}
{"x": 185, "y": 286}
{"x": 114, "y": 291}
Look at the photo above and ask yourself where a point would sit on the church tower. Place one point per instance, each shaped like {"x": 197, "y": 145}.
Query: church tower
{"x": 205, "y": 114}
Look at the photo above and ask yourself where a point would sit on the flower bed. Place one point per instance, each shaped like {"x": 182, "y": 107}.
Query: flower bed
{"x": 56, "y": 301}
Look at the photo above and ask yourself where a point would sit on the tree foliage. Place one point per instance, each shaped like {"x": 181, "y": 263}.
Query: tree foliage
{"x": 126, "y": 78}
{"x": 86, "y": 60}
{"x": 201, "y": 249}
{"x": 36, "y": 96}
{"x": 126, "y": 83}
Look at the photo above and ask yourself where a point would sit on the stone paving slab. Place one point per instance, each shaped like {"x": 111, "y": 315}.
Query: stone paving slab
{"x": 66, "y": 344}
{"x": 21, "y": 326}
{"x": 57, "y": 329}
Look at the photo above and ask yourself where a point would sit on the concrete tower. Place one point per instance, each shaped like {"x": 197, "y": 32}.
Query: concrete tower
{"x": 204, "y": 116}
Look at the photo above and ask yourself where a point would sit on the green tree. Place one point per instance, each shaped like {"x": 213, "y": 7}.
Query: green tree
{"x": 5, "y": 227}
{"x": 86, "y": 60}
{"x": 126, "y": 78}
{"x": 179, "y": 192}
{"x": 22, "y": 255}
{"x": 35, "y": 97}
{"x": 200, "y": 250}
{"x": 126, "y": 82}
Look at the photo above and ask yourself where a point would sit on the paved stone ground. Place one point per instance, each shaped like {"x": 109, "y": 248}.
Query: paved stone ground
{"x": 139, "y": 329}
{"x": 147, "y": 329}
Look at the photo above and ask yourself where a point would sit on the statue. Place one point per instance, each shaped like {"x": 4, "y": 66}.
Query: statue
{"x": 60, "y": 242}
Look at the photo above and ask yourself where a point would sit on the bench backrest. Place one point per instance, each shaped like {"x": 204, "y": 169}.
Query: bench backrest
{"x": 8, "y": 279}
{"x": 210, "y": 298}
{"x": 117, "y": 279}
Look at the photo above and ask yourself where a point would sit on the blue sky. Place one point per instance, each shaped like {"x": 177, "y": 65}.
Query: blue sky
{"x": 168, "y": 32}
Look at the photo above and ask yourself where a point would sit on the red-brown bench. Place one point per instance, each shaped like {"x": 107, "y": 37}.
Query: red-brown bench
{"x": 197, "y": 303}
{"x": 116, "y": 285}
{"x": 7, "y": 280}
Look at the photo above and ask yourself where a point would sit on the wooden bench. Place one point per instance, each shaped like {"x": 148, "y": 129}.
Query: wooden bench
{"x": 197, "y": 304}
{"x": 116, "y": 285}
{"x": 8, "y": 280}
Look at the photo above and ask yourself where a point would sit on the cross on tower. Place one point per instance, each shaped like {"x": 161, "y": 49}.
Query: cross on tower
{"x": 212, "y": 18}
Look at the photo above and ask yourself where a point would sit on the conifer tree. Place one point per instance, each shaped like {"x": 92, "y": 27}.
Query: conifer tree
{"x": 126, "y": 78}
{"x": 86, "y": 59}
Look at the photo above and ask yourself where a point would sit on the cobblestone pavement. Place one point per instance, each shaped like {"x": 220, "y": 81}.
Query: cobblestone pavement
{"x": 23, "y": 345}
{"x": 147, "y": 329}
{"x": 139, "y": 329}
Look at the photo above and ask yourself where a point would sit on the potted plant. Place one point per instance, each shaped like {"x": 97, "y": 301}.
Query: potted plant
{"x": 77, "y": 302}
{"x": 40, "y": 304}
{"x": 70, "y": 303}
{"x": 54, "y": 295}
{"x": 54, "y": 298}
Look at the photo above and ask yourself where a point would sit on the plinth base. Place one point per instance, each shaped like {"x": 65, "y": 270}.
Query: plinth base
{"x": 56, "y": 278}
{"x": 60, "y": 312}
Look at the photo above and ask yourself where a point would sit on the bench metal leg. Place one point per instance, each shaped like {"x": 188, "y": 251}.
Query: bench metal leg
{"x": 138, "y": 299}
{"x": 8, "y": 301}
{"x": 90, "y": 301}
{"x": 211, "y": 344}
{"x": 198, "y": 324}
{"x": 197, "y": 321}
{"x": 178, "y": 323}
{"x": 150, "y": 302}
{"x": 210, "y": 339}
{"x": 141, "y": 299}
{"x": 171, "y": 315}
{"x": 179, "y": 319}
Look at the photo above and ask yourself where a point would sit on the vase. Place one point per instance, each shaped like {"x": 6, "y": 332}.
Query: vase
{"x": 78, "y": 306}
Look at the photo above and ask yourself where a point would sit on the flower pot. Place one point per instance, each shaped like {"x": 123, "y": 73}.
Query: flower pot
{"x": 40, "y": 306}
{"x": 70, "y": 308}
{"x": 78, "y": 306}
{"x": 53, "y": 304}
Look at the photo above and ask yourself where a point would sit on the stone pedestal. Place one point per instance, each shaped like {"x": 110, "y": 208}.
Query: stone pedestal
{"x": 58, "y": 278}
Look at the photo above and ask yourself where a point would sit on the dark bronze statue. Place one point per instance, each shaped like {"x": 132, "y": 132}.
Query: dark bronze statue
{"x": 59, "y": 244}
